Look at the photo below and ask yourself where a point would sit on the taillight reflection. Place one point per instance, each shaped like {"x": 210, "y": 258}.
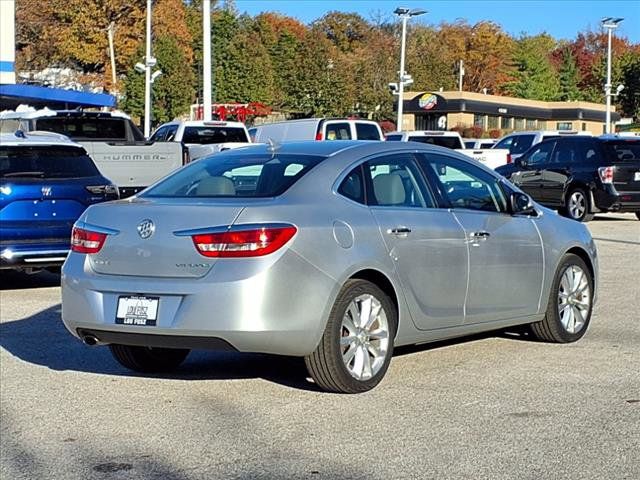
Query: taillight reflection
{"x": 243, "y": 243}
{"x": 86, "y": 241}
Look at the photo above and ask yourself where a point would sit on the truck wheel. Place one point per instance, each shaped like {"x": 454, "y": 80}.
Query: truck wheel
{"x": 356, "y": 347}
{"x": 570, "y": 303}
{"x": 578, "y": 206}
{"x": 148, "y": 359}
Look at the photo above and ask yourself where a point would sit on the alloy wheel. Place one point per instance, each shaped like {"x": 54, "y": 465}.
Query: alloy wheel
{"x": 364, "y": 340}
{"x": 574, "y": 299}
{"x": 577, "y": 205}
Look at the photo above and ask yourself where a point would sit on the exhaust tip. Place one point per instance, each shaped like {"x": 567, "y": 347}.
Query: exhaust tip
{"x": 90, "y": 340}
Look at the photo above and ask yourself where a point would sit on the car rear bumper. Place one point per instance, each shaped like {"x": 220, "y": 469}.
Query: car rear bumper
{"x": 280, "y": 307}
{"x": 617, "y": 201}
{"x": 32, "y": 256}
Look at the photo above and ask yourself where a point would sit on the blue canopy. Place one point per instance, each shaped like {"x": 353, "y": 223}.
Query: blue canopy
{"x": 55, "y": 98}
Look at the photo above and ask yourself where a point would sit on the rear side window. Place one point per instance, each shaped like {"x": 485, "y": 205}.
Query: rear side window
{"x": 45, "y": 162}
{"x": 574, "y": 151}
{"x": 338, "y": 131}
{"x": 367, "y": 131}
{"x": 517, "y": 144}
{"x": 447, "y": 142}
{"x": 94, "y": 128}
{"x": 236, "y": 175}
{"x": 623, "y": 151}
{"x": 352, "y": 186}
{"x": 207, "y": 135}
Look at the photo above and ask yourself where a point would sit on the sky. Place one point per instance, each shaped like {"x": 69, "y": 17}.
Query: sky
{"x": 562, "y": 19}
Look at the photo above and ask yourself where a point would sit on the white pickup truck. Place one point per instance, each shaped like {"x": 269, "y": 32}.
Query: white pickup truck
{"x": 115, "y": 144}
{"x": 203, "y": 138}
{"x": 491, "y": 157}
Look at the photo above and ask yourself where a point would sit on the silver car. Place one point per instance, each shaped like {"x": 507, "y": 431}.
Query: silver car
{"x": 331, "y": 251}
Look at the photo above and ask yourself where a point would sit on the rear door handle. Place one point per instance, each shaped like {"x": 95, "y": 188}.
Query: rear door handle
{"x": 399, "y": 231}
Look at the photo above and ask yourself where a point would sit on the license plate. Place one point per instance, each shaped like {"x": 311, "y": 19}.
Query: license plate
{"x": 636, "y": 177}
{"x": 137, "y": 310}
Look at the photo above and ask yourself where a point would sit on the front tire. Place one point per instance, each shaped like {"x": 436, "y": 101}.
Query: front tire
{"x": 577, "y": 206}
{"x": 356, "y": 347}
{"x": 148, "y": 359}
{"x": 570, "y": 303}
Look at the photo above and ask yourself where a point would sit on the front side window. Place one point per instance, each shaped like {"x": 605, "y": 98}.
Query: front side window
{"x": 159, "y": 135}
{"x": 236, "y": 174}
{"x": 396, "y": 181}
{"x": 367, "y": 131}
{"x": 465, "y": 185}
{"x": 338, "y": 131}
{"x": 45, "y": 162}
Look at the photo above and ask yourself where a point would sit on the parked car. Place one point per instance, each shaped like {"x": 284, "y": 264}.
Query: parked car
{"x": 318, "y": 129}
{"x": 581, "y": 175}
{"x": 519, "y": 142}
{"x": 331, "y": 251}
{"x": 447, "y": 139}
{"x": 203, "y": 138}
{"x": 112, "y": 140}
{"x": 46, "y": 182}
{"x": 478, "y": 143}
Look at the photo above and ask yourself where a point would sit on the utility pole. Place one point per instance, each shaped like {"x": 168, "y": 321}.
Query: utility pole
{"x": 460, "y": 74}
{"x": 610, "y": 24}
{"x": 206, "y": 59}
{"x": 147, "y": 76}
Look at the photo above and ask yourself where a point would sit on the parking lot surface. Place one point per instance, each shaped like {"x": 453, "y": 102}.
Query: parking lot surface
{"x": 497, "y": 406}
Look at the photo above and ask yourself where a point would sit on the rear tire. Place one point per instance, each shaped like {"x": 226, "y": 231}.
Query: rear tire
{"x": 577, "y": 205}
{"x": 570, "y": 303}
{"x": 356, "y": 347}
{"x": 148, "y": 359}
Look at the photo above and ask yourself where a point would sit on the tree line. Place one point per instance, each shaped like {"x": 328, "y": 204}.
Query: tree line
{"x": 338, "y": 65}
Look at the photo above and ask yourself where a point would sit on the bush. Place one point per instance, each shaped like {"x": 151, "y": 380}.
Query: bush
{"x": 387, "y": 126}
{"x": 495, "y": 133}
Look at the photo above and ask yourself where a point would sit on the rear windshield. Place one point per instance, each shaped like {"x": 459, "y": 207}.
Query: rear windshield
{"x": 447, "y": 142}
{"x": 205, "y": 135}
{"x": 236, "y": 175}
{"x": 45, "y": 162}
{"x": 394, "y": 138}
{"x": 113, "y": 129}
{"x": 623, "y": 150}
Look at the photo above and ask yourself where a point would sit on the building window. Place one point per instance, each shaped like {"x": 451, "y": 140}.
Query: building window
{"x": 493, "y": 122}
{"x": 564, "y": 126}
{"x": 479, "y": 120}
{"x": 519, "y": 124}
{"x": 531, "y": 124}
{"x": 506, "y": 123}
{"x": 542, "y": 124}
{"x": 584, "y": 127}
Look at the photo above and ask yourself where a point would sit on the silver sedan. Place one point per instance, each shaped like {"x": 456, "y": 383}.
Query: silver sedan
{"x": 331, "y": 251}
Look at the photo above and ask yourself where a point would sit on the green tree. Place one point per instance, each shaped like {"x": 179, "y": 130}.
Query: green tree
{"x": 629, "y": 99}
{"x": 534, "y": 77}
{"x": 569, "y": 77}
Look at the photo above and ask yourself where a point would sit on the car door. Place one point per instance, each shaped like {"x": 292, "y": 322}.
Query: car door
{"x": 506, "y": 263}
{"x": 556, "y": 174}
{"x": 531, "y": 165}
{"x": 426, "y": 243}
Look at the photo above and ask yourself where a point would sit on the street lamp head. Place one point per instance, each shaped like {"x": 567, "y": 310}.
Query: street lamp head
{"x": 401, "y": 11}
{"x": 140, "y": 67}
{"x": 416, "y": 11}
{"x": 611, "y": 22}
{"x": 405, "y": 12}
{"x": 619, "y": 89}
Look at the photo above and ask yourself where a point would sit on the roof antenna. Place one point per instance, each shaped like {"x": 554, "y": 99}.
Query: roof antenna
{"x": 272, "y": 146}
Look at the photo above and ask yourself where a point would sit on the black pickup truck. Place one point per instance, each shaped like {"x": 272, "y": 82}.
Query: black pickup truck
{"x": 581, "y": 176}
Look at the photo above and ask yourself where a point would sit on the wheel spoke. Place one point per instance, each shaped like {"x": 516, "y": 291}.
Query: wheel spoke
{"x": 378, "y": 334}
{"x": 365, "y": 311}
{"x": 349, "y": 354}
{"x": 373, "y": 316}
{"x": 350, "y": 317}
{"x": 375, "y": 351}
{"x": 348, "y": 340}
{"x": 578, "y": 318}
{"x": 358, "y": 363}
{"x": 366, "y": 371}
{"x": 577, "y": 280}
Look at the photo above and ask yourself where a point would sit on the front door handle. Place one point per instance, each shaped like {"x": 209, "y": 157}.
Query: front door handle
{"x": 479, "y": 235}
{"x": 399, "y": 231}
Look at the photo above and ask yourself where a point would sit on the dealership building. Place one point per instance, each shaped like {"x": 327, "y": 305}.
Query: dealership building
{"x": 446, "y": 110}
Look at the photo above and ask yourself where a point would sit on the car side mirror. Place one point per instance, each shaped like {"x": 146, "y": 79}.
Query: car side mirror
{"x": 522, "y": 204}
{"x": 522, "y": 162}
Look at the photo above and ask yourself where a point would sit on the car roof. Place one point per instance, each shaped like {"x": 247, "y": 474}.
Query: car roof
{"x": 203, "y": 123}
{"x": 440, "y": 133}
{"x": 31, "y": 113}
{"x": 21, "y": 138}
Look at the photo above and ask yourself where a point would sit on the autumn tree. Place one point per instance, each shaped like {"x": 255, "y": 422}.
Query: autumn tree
{"x": 534, "y": 76}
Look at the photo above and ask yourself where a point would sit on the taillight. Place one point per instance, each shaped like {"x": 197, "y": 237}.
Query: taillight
{"x": 86, "y": 241}
{"x": 509, "y": 159}
{"x": 606, "y": 174}
{"x": 319, "y": 136}
{"x": 108, "y": 190}
{"x": 243, "y": 243}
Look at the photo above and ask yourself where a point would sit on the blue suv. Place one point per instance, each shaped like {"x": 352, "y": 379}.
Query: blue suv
{"x": 46, "y": 182}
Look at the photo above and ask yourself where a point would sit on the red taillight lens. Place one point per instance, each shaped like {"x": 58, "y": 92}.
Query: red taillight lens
{"x": 509, "y": 159}
{"x": 86, "y": 241}
{"x": 243, "y": 243}
{"x": 606, "y": 174}
{"x": 319, "y": 136}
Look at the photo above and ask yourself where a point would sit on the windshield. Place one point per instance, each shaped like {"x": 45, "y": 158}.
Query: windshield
{"x": 205, "y": 135}
{"x": 623, "y": 150}
{"x": 447, "y": 142}
{"x": 236, "y": 175}
{"x": 45, "y": 162}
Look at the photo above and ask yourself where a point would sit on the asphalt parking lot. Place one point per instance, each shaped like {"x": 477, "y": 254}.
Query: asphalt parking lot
{"x": 497, "y": 406}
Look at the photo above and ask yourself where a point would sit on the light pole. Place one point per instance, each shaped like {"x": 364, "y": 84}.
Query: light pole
{"x": 610, "y": 24}
{"x": 149, "y": 78}
{"x": 206, "y": 60}
{"x": 405, "y": 14}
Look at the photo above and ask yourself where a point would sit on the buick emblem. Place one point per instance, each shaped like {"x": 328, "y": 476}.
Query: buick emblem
{"x": 146, "y": 228}
{"x": 46, "y": 191}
